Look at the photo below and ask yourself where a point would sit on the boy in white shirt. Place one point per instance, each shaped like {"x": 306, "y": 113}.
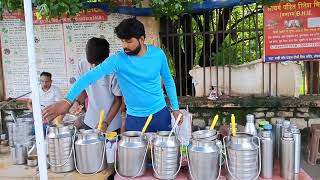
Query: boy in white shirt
{"x": 104, "y": 94}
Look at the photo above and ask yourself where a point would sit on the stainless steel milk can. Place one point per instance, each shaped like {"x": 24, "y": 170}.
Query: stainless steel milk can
{"x": 242, "y": 157}
{"x": 131, "y": 154}
{"x": 60, "y": 142}
{"x": 90, "y": 152}
{"x": 165, "y": 155}
{"x": 203, "y": 159}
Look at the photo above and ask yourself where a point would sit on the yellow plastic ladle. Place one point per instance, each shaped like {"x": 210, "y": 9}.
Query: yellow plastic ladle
{"x": 214, "y": 121}
{"x": 146, "y": 124}
{"x": 58, "y": 120}
{"x": 101, "y": 120}
{"x": 233, "y": 125}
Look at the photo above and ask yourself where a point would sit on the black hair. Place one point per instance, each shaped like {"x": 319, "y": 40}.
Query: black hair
{"x": 130, "y": 28}
{"x": 97, "y": 50}
{"x": 46, "y": 74}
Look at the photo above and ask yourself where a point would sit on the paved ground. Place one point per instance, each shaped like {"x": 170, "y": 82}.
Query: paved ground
{"x": 313, "y": 171}
{"x": 8, "y": 171}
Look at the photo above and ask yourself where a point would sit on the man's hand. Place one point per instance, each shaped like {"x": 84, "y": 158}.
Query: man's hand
{"x": 176, "y": 114}
{"x": 123, "y": 122}
{"x": 52, "y": 111}
{"x": 76, "y": 108}
{"x": 104, "y": 126}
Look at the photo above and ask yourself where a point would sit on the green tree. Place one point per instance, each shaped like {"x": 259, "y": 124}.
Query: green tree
{"x": 56, "y": 8}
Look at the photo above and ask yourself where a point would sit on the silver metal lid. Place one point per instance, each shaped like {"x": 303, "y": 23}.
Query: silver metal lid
{"x": 250, "y": 118}
{"x": 293, "y": 126}
{"x": 287, "y": 135}
{"x": 295, "y": 130}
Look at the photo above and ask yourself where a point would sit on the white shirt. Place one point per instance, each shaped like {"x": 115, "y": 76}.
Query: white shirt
{"x": 101, "y": 95}
{"x": 49, "y": 97}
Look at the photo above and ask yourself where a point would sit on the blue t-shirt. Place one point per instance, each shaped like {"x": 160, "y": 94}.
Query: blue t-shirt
{"x": 138, "y": 78}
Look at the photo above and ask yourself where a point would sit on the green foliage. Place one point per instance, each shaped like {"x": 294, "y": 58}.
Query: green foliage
{"x": 56, "y": 8}
{"x": 268, "y": 2}
{"x": 10, "y": 5}
{"x": 244, "y": 43}
{"x": 170, "y": 7}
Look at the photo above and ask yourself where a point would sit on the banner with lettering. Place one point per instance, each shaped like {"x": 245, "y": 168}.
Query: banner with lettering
{"x": 292, "y": 31}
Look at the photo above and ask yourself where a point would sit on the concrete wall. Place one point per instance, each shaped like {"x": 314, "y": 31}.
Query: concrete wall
{"x": 248, "y": 79}
{"x": 302, "y": 117}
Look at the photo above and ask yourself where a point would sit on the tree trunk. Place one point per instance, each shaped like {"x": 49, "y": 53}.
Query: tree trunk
{"x": 312, "y": 77}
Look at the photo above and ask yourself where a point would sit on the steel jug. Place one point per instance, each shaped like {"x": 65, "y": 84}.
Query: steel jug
{"x": 60, "y": 141}
{"x": 90, "y": 152}
{"x": 242, "y": 156}
{"x": 165, "y": 155}
{"x": 131, "y": 154}
{"x": 204, "y": 159}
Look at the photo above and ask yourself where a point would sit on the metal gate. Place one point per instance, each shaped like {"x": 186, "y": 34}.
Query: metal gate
{"x": 221, "y": 38}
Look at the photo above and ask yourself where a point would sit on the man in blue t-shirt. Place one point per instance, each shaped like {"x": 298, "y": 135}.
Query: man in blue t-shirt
{"x": 139, "y": 69}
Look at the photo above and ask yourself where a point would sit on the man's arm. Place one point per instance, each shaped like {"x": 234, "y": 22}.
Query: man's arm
{"x": 77, "y": 105}
{"x": 123, "y": 117}
{"x": 107, "y": 67}
{"x": 169, "y": 83}
{"x": 170, "y": 87}
{"x": 62, "y": 107}
{"x": 29, "y": 104}
{"x": 116, "y": 102}
{"x": 112, "y": 112}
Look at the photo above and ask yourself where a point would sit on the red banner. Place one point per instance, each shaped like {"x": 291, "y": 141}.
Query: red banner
{"x": 90, "y": 15}
{"x": 292, "y": 31}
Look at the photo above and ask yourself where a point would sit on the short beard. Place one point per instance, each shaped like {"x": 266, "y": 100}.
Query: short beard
{"x": 133, "y": 52}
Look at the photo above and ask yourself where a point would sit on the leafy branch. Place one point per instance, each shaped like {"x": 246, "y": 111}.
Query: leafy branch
{"x": 57, "y": 8}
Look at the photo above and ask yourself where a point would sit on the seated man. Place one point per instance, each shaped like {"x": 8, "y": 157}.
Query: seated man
{"x": 48, "y": 93}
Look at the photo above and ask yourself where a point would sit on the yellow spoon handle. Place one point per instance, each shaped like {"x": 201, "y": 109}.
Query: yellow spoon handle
{"x": 214, "y": 121}
{"x": 101, "y": 119}
{"x": 233, "y": 125}
{"x": 147, "y": 124}
{"x": 58, "y": 120}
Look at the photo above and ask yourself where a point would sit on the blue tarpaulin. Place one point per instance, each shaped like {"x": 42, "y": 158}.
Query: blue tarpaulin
{"x": 216, "y": 4}
{"x": 206, "y": 5}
